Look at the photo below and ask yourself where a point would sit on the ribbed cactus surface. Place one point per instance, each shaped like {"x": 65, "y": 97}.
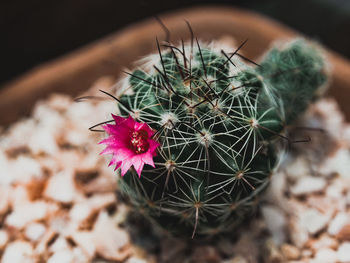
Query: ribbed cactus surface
{"x": 218, "y": 118}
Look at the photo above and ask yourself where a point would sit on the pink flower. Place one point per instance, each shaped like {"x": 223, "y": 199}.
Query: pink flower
{"x": 131, "y": 143}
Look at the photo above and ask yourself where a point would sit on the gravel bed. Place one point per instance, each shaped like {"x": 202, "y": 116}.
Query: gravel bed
{"x": 58, "y": 201}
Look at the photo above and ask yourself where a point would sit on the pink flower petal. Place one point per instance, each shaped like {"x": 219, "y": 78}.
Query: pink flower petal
{"x": 118, "y": 120}
{"x": 130, "y": 143}
{"x": 153, "y": 145}
{"x": 138, "y": 164}
{"x": 125, "y": 166}
{"x": 147, "y": 158}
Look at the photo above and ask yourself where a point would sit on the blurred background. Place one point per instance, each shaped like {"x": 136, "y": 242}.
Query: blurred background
{"x": 37, "y": 31}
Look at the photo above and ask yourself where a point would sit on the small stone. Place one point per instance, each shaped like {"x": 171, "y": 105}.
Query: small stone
{"x": 313, "y": 221}
{"x": 29, "y": 165}
{"x": 62, "y": 256}
{"x": 205, "y": 254}
{"x": 290, "y": 252}
{"x": 47, "y": 238}
{"x": 275, "y": 221}
{"x": 60, "y": 244}
{"x": 26, "y": 213}
{"x": 325, "y": 205}
{"x": 136, "y": 260}
{"x": 82, "y": 211}
{"x": 84, "y": 239}
{"x": 19, "y": 196}
{"x": 103, "y": 183}
{"x": 308, "y": 184}
{"x": 100, "y": 201}
{"x": 272, "y": 253}
{"x": 343, "y": 252}
{"x": 80, "y": 256}
{"x": 59, "y": 102}
{"x": 339, "y": 221}
{"x": 298, "y": 233}
{"x": 338, "y": 163}
{"x": 225, "y": 246}
{"x": 334, "y": 191}
{"x": 326, "y": 255}
{"x": 60, "y": 187}
{"x": 61, "y": 224}
{"x": 247, "y": 248}
{"x": 4, "y": 237}
{"x": 35, "y": 231}
{"x": 298, "y": 168}
{"x": 110, "y": 241}
{"x": 18, "y": 252}
{"x": 323, "y": 241}
{"x": 275, "y": 192}
{"x": 171, "y": 249}
{"x": 236, "y": 259}
{"x": 306, "y": 253}
{"x": 76, "y": 138}
{"x": 43, "y": 141}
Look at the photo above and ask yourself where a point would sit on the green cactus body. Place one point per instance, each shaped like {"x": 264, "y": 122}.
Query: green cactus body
{"x": 218, "y": 121}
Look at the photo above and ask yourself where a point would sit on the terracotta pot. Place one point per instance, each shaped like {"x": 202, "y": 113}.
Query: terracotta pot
{"x": 75, "y": 72}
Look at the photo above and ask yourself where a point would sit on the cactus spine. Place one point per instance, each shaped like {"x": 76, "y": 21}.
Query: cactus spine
{"x": 218, "y": 121}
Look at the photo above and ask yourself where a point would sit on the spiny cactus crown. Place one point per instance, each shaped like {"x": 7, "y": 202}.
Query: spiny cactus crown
{"x": 217, "y": 120}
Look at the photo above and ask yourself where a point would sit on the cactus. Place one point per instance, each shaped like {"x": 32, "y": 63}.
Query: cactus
{"x": 218, "y": 119}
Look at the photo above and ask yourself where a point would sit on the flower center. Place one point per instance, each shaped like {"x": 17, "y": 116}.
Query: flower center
{"x": 138, "y": 141}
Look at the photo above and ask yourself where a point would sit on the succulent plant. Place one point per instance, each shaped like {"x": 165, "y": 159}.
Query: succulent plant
{"x": 218, "y": 118}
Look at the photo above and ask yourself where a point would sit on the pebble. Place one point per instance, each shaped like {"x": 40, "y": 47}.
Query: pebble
{"x": 136, "y": 260}
{"x": 26, "y": 213}
{"x": 62, "y": 256}
{"x": 339, "y": 221}
{"x": 290, "y": 252}
{"x": 4, "y": 237}
{"x": 338, "y": 163}
{"x": 19, "y": 252}
{"x": 276, "y": 222}
{"x": 34, "y": 231}
{"x": 110, "y": 241}
{"x": 323, "y": 241}
{"x": 60, "y": 187}
{"x": 43, "y": 142}
{"x": 84, "y": 239}
{"x": 236, "y": 259}
{"x": 298, "y": 233}
{"x": 18, "y": 196}
{"x": 313, "y": 221}
{"x": 24, "y": 163}
{"x": 277, "y": 188}
{"x": 80, "y": 256}
{"x": 343, "y": 252}
{"x": 205, "y": 254}
{"x": 60, "y": 244}
{"x": 334, "y": 191}
{"x": 272, "y": 253}
{"x": 172, "y": 249}
{"x": 298, "y": 168}
{"x": 57, "y": 230}
{"x": 307, "y": 185}
{"x": 326, "y": 255}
